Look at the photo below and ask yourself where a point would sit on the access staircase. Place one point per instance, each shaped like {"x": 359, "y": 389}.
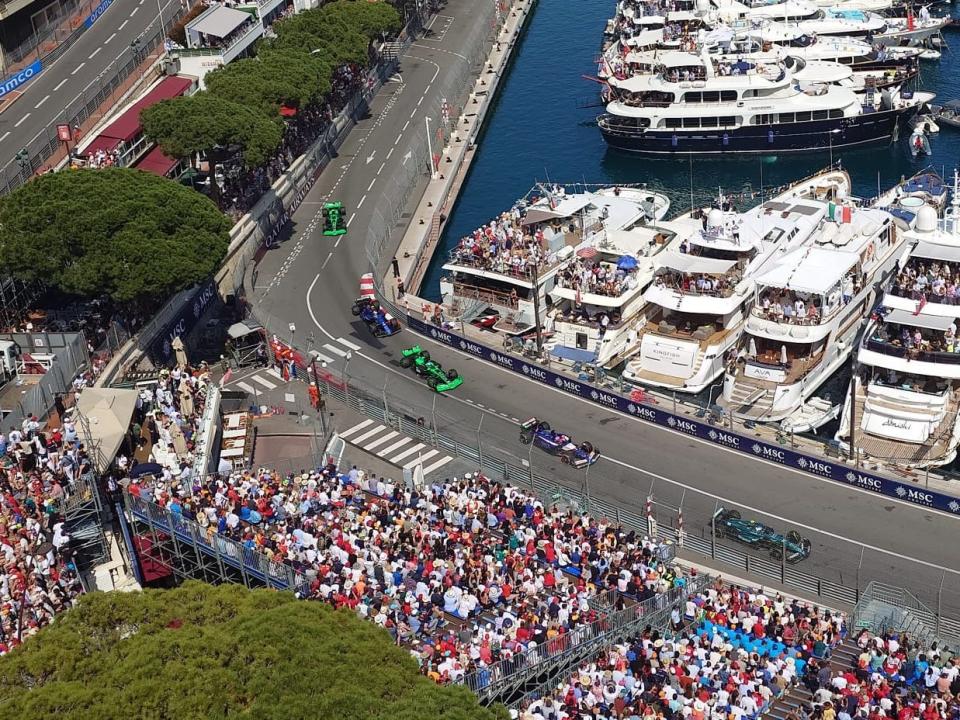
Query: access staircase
{"x": 748, "y": 399}
{"x": 788, "y": 705}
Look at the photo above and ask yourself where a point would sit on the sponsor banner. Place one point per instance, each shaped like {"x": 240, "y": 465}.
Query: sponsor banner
{"x": 97, "y": 12}
{"x": 20, "y": 78}
{"x": 161, "y": 349}
{"x": 811, "y": 464}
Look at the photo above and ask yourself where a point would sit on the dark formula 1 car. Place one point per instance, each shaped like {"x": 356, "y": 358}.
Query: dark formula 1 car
{"x": 728, "y": 523}
{"x": 556, "y": 443}
{"x": 421, "y": 363}
{"x": 380, "y": 322}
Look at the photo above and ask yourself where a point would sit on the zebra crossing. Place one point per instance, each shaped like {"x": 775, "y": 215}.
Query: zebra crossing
{"x": 266, "y": 379}
{"x": 331, "y": 351}
{"x": 374, "y": 437}
{"x": 270, "y": 378}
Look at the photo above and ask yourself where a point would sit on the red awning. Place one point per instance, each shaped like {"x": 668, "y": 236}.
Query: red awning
{"x": 287, "y": 111}
{"x": 156, "y": 162}
{"x": 101, "y": 142}
{"x": 126, "y": 127}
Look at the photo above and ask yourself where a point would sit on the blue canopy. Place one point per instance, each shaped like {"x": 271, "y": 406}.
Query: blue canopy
{"x": 573, "y": 354}
{"x": 627, "y": 262}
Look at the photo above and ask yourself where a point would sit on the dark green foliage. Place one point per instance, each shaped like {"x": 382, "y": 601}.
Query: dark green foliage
{"x": 123, "y": 233}
{"x": 216, "y": 652}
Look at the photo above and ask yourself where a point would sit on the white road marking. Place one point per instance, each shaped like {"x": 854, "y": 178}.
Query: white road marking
{"x": 740, "y": 455}
{"x": 381, "y": 440}
{"x": 371, "y": 184}
{"x": 393, "y": 447}
{"x": 398, "y": 138}
{"x": 397, "y": 458}
{"x": 329, "y": 255}
{"x": 122, "y": 24}
{"x": 352, "y": 346}
{"x": 246, "y": 388}
{"x": 360, "y": 426}
{"x": 45, "y": 98}
{"x": 60, "y": 84}
{"x": 420, "y": 101}
{"x": 134, "y": 11}
{"x": 335, "y": 350}
{"x": 420, "y": 459}
{"x": 20, "y": 122}
{"x": 266, "y": 383}
{"x": 390, "y": 153}
{"x": 94, "y": 53}
{"x": 4, "y": 136}
{"x": 383, "y": 165}
{"x": 368, "y": 434}
{"x": 275, "y": 372}
{"x": 413, "y": 113}
{"x": 406, "y": 125}
{"x": 109, "y": 39}
{"x": 321, "y": 357}
{"x": 361, "y": 202}
{"x": 438, "y": 464}
{"x": 349, "y": 220}
{"x": 77, "y": 68}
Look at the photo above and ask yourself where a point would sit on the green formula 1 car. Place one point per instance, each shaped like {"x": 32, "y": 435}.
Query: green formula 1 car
{"x": 437, "y": 378}
{"x": 791, "y": 547}
{"x": 333, "y": 219}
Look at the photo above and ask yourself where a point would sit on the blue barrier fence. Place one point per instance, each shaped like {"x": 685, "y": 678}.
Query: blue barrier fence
{"x": 811, "y": 464}
{"x": 21, "y": 77}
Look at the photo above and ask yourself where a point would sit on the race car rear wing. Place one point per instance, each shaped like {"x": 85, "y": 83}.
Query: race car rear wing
{"x": 531, "y": 423}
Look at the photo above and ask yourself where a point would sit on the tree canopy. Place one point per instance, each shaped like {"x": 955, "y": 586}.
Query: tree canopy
{"x": 202, "y": 122}
{"x": 124, "y": 233}
{"x": 210, "y": 652}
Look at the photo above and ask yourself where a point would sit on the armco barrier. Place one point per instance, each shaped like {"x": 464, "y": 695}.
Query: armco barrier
{"x": 817, "y": 466}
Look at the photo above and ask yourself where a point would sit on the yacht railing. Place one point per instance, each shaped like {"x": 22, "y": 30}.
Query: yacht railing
{"x": 493, "y": 297}
{"x": 932, "y": 356}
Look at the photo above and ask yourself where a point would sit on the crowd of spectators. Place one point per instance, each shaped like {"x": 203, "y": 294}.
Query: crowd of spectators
{"x": 505, "y": 246}
{"x": 597, "y": 277}
{"x": 914, "y": 340}
{"x": 40, "y": 469}
{"x": 697, "y": 283}
{"x": 727, "y": 656}
{"x": 95, "y": 160}
{"x": 790, "y": 307}
{"x": 464, "y": 573}
{"x": 893, "y": 676}
{"x": 929, "y": 280}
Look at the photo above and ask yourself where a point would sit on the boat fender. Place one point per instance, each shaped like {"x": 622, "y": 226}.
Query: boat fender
{"x": 770, "y": 136}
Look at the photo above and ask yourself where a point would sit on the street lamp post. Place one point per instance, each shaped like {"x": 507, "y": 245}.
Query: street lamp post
{"x": 429, "y": 148}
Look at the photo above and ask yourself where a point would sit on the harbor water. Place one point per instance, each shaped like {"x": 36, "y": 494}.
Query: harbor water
{"x": 540, "y": 130}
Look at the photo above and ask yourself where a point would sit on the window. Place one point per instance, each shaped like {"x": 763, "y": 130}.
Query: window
{"x": 691, "y": 122}
{"x": 708, "y": 122}
{"x": 674, "y": 122}
{"x": 785, "y": 117}
{"x": 712, "y": 96}
{"x": 820, "y": 114}
{"x": 802, "y": 117}
{"x": 728, "y": 95}
{"x": 836, "y": 113}
{"x": 582, "y": 340}
{"x": 728, "y": 121}
{"x": 693, "y": 97}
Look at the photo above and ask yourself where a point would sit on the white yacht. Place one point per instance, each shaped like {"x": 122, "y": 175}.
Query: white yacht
{"x": 704, "y": 283}
{"x": 807, "y": 315}
{"x": 507, "y": 267}
{"x": 907, "y": 382}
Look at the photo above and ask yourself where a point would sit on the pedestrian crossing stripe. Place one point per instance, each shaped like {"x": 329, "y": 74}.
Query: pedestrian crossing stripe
{"x": 335, "y": 350}
{"x": 381, "y": 440}
{"x": 321, "y": 357}
{"x": 352, "y": 346}
{"x": 396, "y": 459}
{"x": 391, "y": 448}
{"x": 419, "y": 459}
{"x": 438, "y": 464}
{"x": 354, "y": 429}
{"x": 275, "y": 372}
{"x": 246, "y": 388}
{"x": 266, "y": 383}
{"x": 368, "y": 434}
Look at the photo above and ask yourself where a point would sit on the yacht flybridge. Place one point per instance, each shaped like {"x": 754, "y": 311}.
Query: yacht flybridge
{"x": 704, "y": 283}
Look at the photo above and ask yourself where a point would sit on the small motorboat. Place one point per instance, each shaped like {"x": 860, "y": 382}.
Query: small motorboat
{"x": 926, "y": 123}
{"x": 930, "y": 54}
{"x": 947, "y": 114}
{"x": 919, "y": 143}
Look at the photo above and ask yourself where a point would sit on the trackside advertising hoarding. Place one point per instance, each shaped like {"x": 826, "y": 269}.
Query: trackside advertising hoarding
{"x": 20, "y": 78}
{"x": 814, "y": 465}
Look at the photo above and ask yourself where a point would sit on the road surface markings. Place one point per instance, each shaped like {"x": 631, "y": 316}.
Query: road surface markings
{"x": 321, "y": 357}
{"x": 405, "y": 126}
{"x": 352, "y": 430}
{"x": 335, "y": 350}
{"x": 360, "y": 204}
{"x": 352, "y": 346}
{"x": 94, "y": 53}
{"x": 382, "y": 166}
{"x": 381, "y": 440}
{"x": 397, "y": 458}
{"x": 349, "y": 220}
{"x": 370, "y": 157}
{"x": 420, "y": 458}
{"x": 122, "y": 24}
{"x": 391, "y": 448}
{"x": 4, "y": 137}
{"x": 60, "y": 84}
{"x": 389, "y": 153}
{"x": 413, "y": 113}
{"x": 398, "y": 138}
{"x": 262, "y": 381}
{"x": 45, "y": 98}
{"x": 329, "y": 255}
{"x": 246, "y": 388}
{"x": 371, "y": 184}
{"x": 109, "y": 39}
{"x": 368, "y": 434}
{"x": 433, "y": 49}
{"x": 438, "y": 464}
{"x": 420, "y": 101}
{"x": 135, "y": 11}
{"x": 77, "y": 68}
{"x": 20, "y": 122}
{"x": 275, "y": 372}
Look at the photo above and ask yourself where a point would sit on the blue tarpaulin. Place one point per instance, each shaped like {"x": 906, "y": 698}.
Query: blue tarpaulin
{"x": 573, "y": 354}
{"x": 627, "y": 262}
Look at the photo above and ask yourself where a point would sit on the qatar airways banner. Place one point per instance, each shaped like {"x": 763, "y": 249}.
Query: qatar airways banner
{"x": 814, "y": 465}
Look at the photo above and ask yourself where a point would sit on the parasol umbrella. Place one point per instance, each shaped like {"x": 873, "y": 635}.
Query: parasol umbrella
{"x": 753, "y": 348}
{"x": 146, "y": 469}
{"x": 783, "y": 354}
{"x": 627, "y": 262}
{"x": 587, "y": 252}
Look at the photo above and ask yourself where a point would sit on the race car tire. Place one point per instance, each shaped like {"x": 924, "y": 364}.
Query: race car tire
{"x": 565, "y": 459}
{"x": 432, "y": 383}
{"x": 356, "y": 309}
{"x": 425, "y": 355}
{"x": 733, "y": 514}
{"x": 776, "y": 554}
{"x": 794, "y": 537}
{"x": 586, "y": 447}
{"x": 406, "y": 361}
{"x": 452, "y": 374}
{"x": 526, "y": 438}
{"x": 544, "y": 426}
{"x": 718, "y": 531}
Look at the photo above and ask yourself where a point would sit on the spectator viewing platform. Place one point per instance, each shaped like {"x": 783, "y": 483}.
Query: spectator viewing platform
{"x": 222, "y": 33}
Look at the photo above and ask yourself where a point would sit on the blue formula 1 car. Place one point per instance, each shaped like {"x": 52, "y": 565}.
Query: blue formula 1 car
{"x": 556, "y": 443}
{"x": 378, "y": 320}
{"x": 792, "y": 547}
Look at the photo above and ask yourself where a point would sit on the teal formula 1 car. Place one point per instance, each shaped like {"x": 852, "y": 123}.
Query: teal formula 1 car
{"x": 437, "y": 378}
{"x": 792, "y": 546}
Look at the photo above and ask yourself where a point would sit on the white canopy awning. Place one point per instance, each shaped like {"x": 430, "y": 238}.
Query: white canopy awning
{"x": 220, "y": 21}
{"x": 934, "y": 251}
{"x": 106, "y": 414}
{"x": 930, "y": 322}
{"x": 684, "y": 263}
{"x": 813, "y": 270}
